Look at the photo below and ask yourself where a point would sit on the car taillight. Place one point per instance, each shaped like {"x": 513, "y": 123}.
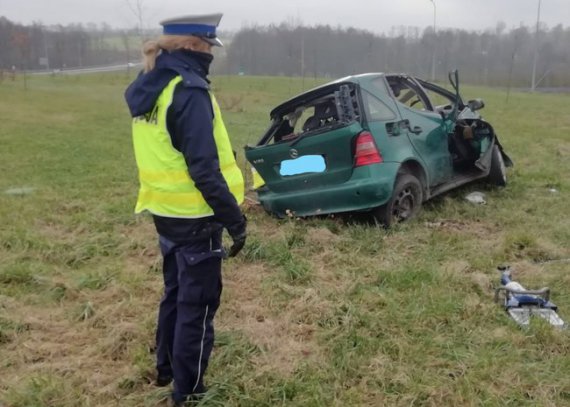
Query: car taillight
{"x": 366, "y": 152}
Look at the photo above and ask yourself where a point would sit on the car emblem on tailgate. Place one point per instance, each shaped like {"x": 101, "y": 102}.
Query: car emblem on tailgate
{"x": 293, "y": 153}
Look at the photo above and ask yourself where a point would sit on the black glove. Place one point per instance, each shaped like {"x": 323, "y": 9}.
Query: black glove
{"x": 238, "y": 234}
{"x": 239, "y": 242}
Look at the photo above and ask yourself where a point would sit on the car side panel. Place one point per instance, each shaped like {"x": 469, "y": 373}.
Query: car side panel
{"x": 394, "y": 146}
{"x": 430, "y": 143}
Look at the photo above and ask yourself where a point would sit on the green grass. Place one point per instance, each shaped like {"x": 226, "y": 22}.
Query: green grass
{"x": 315, "y": 312}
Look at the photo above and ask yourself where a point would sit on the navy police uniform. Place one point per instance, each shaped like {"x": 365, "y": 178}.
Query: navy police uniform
{"x": 191, "y": 248}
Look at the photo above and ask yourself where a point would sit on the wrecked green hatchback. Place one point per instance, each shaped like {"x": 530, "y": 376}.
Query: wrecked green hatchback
{"x": 382, "y": 143}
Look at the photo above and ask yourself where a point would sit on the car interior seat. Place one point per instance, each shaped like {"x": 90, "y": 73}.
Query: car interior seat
{"x": 325, "y": 114}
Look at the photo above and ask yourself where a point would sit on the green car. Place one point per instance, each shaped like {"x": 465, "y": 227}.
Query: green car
{"x": 382, "y": 143}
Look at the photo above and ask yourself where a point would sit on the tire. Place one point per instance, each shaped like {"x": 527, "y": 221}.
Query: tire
{"x": 498, "y": 171}
{"x": 405, "y": 203}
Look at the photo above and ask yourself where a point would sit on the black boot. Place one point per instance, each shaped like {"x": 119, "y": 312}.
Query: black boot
{"x": 163, "y": 380}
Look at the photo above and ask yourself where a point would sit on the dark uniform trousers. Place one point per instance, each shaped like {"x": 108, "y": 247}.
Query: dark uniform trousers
{"x": 192, "y": 288}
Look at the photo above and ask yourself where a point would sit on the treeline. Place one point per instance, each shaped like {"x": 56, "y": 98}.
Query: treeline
{"x": 492, "y": 57}
{"x": 34, "y": 47}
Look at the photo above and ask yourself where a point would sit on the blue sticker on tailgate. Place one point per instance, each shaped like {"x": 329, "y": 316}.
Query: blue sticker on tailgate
{"x": 303, "y": 165}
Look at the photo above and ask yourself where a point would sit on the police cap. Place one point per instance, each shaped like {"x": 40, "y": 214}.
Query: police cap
{"x": 203, "y": 26}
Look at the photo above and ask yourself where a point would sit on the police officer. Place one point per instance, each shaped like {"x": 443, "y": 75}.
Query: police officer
{"x": 191, "y": 184}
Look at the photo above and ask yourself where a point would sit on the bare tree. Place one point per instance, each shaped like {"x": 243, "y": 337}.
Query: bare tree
{"x": 137, "y": 8}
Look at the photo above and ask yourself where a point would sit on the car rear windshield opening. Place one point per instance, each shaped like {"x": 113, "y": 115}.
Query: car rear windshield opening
{"x": 326, "y": 111}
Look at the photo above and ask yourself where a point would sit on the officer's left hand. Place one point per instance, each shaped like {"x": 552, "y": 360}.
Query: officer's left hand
{"x": 238, "y": 233}
{"x": 239, "y": 242}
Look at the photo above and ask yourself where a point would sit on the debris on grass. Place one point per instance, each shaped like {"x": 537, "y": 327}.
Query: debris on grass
{"x": 522, "y": 304}
{"x": 19, "y": 191}
{"x": 476, "y": 198}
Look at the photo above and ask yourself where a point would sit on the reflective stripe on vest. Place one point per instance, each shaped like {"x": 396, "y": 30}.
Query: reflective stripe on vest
{"x": 165, "y": 185}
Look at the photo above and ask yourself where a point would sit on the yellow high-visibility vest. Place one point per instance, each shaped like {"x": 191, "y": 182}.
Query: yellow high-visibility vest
{"x": 166, "y": 188}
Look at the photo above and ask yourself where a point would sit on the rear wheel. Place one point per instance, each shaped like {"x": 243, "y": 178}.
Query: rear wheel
{"x": 498, "y": 172}
{"x": 405, "y": 203}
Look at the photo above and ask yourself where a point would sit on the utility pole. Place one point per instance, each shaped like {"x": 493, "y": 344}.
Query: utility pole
{"x": 44, "y": 34}
{"x": 80, "y": 50}
{"x": 533, "y": 83}
{"x": 434, "y": 44}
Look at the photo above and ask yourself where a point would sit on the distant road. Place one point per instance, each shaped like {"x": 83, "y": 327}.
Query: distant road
{"x": 94, "y": 69}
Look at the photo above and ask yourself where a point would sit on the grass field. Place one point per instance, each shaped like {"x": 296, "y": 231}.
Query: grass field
{"x": 316, "y": 312}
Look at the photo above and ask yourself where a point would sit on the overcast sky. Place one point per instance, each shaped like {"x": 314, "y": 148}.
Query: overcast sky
{"x": 374, "y": 15}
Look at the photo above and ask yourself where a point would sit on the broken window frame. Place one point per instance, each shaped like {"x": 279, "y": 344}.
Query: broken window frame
{"x": 413, "y": 86}
{"x": 349, "y": 109}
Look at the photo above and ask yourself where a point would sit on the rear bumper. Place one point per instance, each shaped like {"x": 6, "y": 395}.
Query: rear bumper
{"x": 369, "y": 187}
